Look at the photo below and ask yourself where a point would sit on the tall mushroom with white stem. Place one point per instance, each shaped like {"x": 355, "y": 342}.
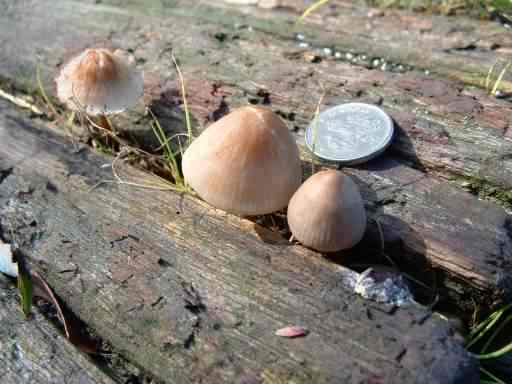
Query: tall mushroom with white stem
{"x": 100, "y": 82}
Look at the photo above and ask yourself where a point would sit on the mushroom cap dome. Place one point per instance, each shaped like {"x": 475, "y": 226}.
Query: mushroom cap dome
{"x": 100, "y": 81}
{"x": 327, "y": 212}
{"x": 246, "y": 163}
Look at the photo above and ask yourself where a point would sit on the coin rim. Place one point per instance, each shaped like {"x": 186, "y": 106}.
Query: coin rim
{"x": 367, "y": 156}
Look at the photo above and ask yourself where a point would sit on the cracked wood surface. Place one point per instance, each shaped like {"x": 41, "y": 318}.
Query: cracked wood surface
{"x": 445, "y": 128}
{"x": 116, "y": 265}
{"x": 454, "y": 47}
{"x": 194, "y": 295}
{"x": 33, "y": 351}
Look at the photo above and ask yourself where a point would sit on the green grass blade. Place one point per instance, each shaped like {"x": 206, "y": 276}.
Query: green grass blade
{"x": 43, "y": 92}
{"x": 168, "y": 153}
{"x": 481, "y": 325}
{"x": 494, "y": 355}
{"x": 24, "y": 287}
{"x": 496, "y": 333}
{"x": 485, "y": 326}
{"x": 496, "y": 380}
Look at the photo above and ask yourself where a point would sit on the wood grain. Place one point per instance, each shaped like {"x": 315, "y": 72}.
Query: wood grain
{"x": 234, "y": 55}
{"x": 33, "y": 351}
{"x": 445, "y": 129}
{"x": 194, "y": 295}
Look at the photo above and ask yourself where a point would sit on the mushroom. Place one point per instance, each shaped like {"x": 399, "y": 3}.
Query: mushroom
{"x": 327, "y": 212}
{"x": 246, "y": 163}
{"x": 100, "y": 82}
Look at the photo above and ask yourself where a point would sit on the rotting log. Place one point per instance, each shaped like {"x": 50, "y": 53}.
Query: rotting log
{"x": 454, "y": 47}
{"x": 445, "y": 126}
{"x": 33, "y": 351}
{"x": 445, "y": 129}
{"x": 193, "y": 295}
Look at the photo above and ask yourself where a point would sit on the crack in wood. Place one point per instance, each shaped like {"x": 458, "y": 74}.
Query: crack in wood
{"x": 5, "y": 173}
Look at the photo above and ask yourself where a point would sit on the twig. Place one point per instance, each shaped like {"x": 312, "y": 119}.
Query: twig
{"x": 20, "y": 102}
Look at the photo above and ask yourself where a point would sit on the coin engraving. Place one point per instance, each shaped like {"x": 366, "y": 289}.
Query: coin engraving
{"x": 350, "y": 133}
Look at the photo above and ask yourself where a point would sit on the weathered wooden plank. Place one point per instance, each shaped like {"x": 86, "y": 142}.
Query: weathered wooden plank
{"x": 472, "y": 244}
{"x": 444, "y": 127}
{"x": 33, "y": 351}
{"x": 427, "y": 222}
{"x": 194, "y": 295}
{"x": 459, "y": 48}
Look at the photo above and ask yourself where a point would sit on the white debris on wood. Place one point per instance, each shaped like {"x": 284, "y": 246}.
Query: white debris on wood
{"x": 381, "y": 286}
{"x": 7, "y": 266}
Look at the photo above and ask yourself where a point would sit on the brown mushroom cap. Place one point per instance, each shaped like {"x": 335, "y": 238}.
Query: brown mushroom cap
{"x": 327, "y": 212}
{"x": 246, "y": 163}
{"x": 100, "y": 81}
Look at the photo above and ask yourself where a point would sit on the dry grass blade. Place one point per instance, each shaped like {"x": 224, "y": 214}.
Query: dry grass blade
{"x": 72, "y": 328}
{"x": 315, "y": 127}
{"x": 43, "y": 290}
{"x": 500, "y": 78}
{"x": 20, "y": 102}
{"x": 312, "y": 8}
{"x": 184, "y": 96}
{"x": 489, "y": 76}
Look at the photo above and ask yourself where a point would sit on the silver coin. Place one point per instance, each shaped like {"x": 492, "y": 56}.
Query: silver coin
{"x": 350, "y": 133}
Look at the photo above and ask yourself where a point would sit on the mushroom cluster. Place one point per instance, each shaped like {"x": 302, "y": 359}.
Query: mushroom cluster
{"x": 248, "y": 163}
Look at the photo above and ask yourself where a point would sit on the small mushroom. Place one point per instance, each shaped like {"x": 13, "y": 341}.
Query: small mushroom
{"x": 100, "y": 82}
{"x": 327, "y": 212}
{"x": 246, "y": 163}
